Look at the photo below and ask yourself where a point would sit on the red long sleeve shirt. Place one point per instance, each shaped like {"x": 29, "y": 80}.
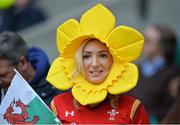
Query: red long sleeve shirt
{"x": 129, "y": 110}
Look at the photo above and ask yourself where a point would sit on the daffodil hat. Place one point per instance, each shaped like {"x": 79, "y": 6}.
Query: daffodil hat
{"x": 124, "y": 43}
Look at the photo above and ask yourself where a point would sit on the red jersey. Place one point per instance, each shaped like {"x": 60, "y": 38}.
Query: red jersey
{"x": 129, "y": 110}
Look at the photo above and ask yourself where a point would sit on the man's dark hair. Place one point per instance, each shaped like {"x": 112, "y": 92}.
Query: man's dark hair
{"x": 12, "y": 47}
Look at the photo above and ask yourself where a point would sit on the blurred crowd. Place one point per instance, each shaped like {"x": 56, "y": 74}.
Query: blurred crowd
{"x": 159, "y": 74}
{"x": 157, "y": 70}
{"x": 20, "y": 14}
{"x": 31, "y": 62}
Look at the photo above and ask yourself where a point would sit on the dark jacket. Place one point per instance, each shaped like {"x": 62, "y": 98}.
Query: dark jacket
{"x": 40, "y": 63}
{"x": 153, "y": 91}
{"x": 14, "y": 19}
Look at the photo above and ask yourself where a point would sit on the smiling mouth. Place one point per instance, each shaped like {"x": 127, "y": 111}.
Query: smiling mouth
{"x": 96, "y": 72}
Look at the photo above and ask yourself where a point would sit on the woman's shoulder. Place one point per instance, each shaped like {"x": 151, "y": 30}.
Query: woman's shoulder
{"x": 129, "y": 102}
{"x": 131, "y": 106}
{"x": 63, "y": 95}
{"x": 127, "y": 98}
{"x": 63, "y": 100}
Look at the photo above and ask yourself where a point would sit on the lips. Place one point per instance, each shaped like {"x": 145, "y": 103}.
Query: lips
{"x": 95, "y": 72}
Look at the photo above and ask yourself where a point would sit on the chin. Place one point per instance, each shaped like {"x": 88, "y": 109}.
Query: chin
{"x": 96, "y": 81}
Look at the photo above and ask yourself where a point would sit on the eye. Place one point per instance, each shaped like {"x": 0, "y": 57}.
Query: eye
{"x": 86, "y": 56}
{"x": 103, "y": 55}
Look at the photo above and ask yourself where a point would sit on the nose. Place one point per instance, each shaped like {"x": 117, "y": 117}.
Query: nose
{"x": 95, "y": 62}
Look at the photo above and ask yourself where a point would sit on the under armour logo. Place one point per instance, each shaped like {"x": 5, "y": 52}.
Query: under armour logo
{"x": 69, "y": 113}
{"x": 112, "y": 114}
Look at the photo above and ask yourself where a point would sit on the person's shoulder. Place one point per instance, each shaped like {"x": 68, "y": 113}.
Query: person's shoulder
{"x": 63, "y": 95}
{"x": 128, "y": 97}
{"x": 129, "y": 100}
{"x": 63, "y": 99}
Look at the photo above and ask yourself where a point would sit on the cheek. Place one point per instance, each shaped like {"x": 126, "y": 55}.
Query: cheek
{"x": 86, "y": 64}
{"x": 107, "y": 64}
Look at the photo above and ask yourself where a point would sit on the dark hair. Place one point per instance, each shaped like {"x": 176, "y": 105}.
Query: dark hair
{"x": 173, "y": 115}
{"x": 167, "y": 42}
{"x": 12, "y": 47}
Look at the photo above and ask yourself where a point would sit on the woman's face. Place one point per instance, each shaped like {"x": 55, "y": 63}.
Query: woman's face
{"x": 97, "y": 61}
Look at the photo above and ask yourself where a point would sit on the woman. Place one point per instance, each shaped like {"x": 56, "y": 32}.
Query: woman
{"x": 95, "y": 62}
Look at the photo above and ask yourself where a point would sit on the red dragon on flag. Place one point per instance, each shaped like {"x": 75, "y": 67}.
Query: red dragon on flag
{"x": 14, "y": 118}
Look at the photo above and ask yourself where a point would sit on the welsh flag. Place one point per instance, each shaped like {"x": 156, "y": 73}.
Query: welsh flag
{"x": 21, "y": 105}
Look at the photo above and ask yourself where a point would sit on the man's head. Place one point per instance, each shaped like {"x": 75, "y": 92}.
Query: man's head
{"x": 13, "y": 52}
{"x": 160, "y": 41}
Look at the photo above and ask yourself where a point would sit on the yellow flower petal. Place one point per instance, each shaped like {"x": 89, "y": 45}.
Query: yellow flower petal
{"x": 97, "y": 21}
{"x": 57, "y": 77}
{"x": 131, "y": 52}
{"x": 127, "y": 81}
{"x": 114, "y": 73}
{"x": 126, "y": 43}
{"x": 70, "y": 50}
{"x": 89, "y": 98}
{"x": 66, "y": 32}
{"x": 82, "y": 83}
{"x": 60, "y": 81}
{"x": 56, "y": 67}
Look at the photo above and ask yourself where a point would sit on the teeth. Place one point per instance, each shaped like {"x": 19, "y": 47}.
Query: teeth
{"x": 95, "y": 71}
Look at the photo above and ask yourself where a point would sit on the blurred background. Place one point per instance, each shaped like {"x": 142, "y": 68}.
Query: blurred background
{"x": 135, "y": 13}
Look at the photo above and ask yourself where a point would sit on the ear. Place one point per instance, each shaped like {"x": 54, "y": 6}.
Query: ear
{"x": 23, "y": 64}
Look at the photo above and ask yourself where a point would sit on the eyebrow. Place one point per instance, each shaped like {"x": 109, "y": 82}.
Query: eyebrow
{"x": 98, "y": 51}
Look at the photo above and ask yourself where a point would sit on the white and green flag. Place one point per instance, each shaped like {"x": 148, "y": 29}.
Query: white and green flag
{"x": 21, "y": 105}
